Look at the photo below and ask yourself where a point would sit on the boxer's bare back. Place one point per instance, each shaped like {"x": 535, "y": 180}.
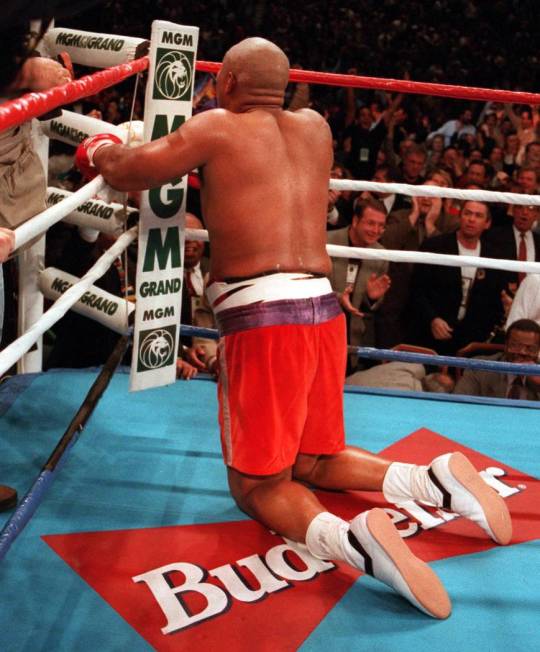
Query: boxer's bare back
{"x": 265, "y": 176}
{"x": 264, "y": 170}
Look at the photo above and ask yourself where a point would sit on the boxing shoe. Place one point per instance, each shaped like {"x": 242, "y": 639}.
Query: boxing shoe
{"x": 84, "y": 156}
{"x": 452, "y": 483}
{"x": 384, "y": 555}
{"x": 463, "y": 491}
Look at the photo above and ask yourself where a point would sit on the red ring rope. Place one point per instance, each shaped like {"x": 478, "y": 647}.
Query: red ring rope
{"x": 399, "y": 86}
{"x": 33, "y": 105}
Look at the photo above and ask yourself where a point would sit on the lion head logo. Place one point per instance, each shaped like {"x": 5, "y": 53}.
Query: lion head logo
{"x": 173, "y": 74}
{"x": 156, "y": 349}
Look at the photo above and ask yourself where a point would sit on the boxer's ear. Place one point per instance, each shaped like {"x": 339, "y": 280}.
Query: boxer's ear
{"x": 230, "y": 83}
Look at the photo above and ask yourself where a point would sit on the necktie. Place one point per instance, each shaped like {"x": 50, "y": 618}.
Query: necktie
{"x": 522, "y": 254}
{"x": 514, "y": 391}
{"x": 190, "y": 288}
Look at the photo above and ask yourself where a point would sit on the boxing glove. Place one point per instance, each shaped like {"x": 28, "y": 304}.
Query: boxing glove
{"x": 84, "y": 156}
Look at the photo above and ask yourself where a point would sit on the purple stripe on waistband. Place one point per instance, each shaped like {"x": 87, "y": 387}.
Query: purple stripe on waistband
{"x": 314, "y": 310}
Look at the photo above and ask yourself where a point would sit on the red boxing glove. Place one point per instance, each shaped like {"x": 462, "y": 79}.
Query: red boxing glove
{"x": 84, "y": 156}
{"x": 194, "y": 181}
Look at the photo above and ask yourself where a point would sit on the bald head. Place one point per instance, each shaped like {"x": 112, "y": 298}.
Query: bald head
{"x": 193, "y": 222}
{"x": 255, "y": 67}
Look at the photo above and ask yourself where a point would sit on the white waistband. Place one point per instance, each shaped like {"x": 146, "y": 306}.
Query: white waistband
{"x": 273, "y": 287}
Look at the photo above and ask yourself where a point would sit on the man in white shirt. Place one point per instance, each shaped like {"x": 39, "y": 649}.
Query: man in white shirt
{"x": 452, "y": 306}
{"x": 456, "y": 128}
{"x": 526, "y": 303}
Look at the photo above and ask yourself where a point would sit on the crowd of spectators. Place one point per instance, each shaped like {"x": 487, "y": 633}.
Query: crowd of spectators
{"x": 412, "y": 139}
{"x": 450, "y": 41}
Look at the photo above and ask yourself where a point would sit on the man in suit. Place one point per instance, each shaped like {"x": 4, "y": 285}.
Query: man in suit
{"x": 360, "y": 284}
{"x": 196, "y": 353}
{"x": 452, "y": 306}
{"x": 517, "y": 241}
{"x": 522, "y": 346}
{"x": 406, "y": 229}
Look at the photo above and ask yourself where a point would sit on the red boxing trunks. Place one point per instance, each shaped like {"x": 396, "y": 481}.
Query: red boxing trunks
{"x": 282, "y": 370}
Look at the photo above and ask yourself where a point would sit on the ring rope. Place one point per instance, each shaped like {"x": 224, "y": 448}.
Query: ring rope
{"x": 105, "y": 308}
{"x": 11, "y": 354}
{"x": 429, "y": 258}
{"x": 404, "y": 356}
{"x": 399, "y": 85}
{"x": 33, "y": 105}
{"x": 446, "y": 360}
{"x": 437, "y": 191}
{"x": 105, "y": 217}
{"x": 42, "y": 221}
{"x": 398, "y": 256}
{"x": 33, "y": 498}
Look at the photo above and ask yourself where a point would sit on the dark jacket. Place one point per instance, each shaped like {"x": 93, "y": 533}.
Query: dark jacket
{"x": 503, "y": 244}
{"x": 437, "y": 292}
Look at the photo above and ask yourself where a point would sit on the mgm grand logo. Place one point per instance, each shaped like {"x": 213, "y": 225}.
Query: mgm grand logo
{"x": 174, "y": 75}
{"x": 156, "y": 348}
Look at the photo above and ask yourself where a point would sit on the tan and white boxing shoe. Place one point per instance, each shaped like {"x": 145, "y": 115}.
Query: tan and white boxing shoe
{"x": 464, "y": 492}
{"x": 384, "y": 555}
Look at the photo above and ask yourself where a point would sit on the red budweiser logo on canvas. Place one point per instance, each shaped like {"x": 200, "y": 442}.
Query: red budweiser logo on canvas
{"x": 235, "y": 584}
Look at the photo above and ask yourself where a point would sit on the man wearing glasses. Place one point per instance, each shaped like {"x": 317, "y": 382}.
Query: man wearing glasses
{"x": 522, "y": 346}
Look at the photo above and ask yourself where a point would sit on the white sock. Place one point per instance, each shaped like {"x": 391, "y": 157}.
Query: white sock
{"x": 410, "y": 481}
{"x": 327, "y": 538}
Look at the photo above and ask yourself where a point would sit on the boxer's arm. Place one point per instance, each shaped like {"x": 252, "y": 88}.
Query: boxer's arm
{"x": 162, "y": 160}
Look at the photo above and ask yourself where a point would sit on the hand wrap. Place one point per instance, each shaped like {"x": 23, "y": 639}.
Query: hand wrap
{"x": 84, "y": 156}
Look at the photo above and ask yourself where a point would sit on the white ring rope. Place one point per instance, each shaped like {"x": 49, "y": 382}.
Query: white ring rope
{"x": 97, "y": 304}
{"x": 11, "y": 354}
{"x": 42, "y": 221}
{"x": 72, "y": 128}
{"x": 426, "y": 257}
{"x": 341, "y": 251}
{"x": 105, "y": 217}
{"x": 437, "y": 191}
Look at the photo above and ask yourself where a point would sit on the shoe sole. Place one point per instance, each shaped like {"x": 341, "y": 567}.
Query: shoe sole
{"x": 493, "y": 506}
{"x": 426, "y": 588}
